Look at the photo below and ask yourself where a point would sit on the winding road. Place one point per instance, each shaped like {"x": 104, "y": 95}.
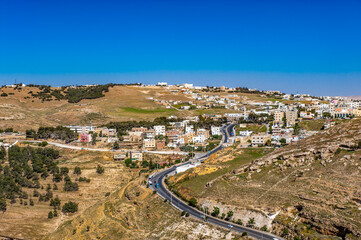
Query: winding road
{"x": 182, "y": 206}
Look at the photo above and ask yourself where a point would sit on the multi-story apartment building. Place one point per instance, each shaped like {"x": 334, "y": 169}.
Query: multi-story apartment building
{"x": 291, "y": 117}
{"x": 149, "y": 143}
{"x": 216, "y": 130}
{"x": 278, "y": 117}
{"x": 159, "y": 130}
{"x": 260, "y": 139}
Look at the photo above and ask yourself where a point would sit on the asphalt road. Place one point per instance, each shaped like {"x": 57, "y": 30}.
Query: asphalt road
{"x": 182, "y": 206}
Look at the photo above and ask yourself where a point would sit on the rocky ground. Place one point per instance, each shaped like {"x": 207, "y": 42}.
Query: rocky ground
{"x": 311, "y": 189}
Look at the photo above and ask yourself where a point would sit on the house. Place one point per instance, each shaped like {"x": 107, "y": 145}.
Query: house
{"x": 160, "y": 145}
{"x": 149, "y": 143}
{"x": 198, "y": 139}
{"x": 203, "y": 132}
{"x": 307, "y": 115}
{"x": 246, "y": 133}
{"x": 109, "y": 132}
{"x": 136, "y": 156}
{"x": 122, "y": 155}
{"x": 173, "y": 135}
{"x": 260, "y": 139}
{"x": 216, "y": 130}
{"x": 82, "y": 129}
{"x": 357, "y": 112}
{"x": 85, "y": 137}
{"x": 189, "y": 129}
{"x": 159, "y": 130}
{"x": 139, "y": 129}
{"x": 150, "y": 133}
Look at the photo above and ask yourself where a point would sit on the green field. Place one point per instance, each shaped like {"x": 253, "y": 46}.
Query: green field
{"x": 197, "y": 185}
{"x": 255, "y": 128}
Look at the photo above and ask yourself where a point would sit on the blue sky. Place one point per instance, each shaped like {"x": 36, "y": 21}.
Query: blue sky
{"x": 293, "y": 46}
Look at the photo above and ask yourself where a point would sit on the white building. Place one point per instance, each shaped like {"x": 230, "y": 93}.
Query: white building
{"x": 216, "y": 130}
{"x": 159, "y": 130}
{"x": 199, "y": 139}
{"x": 188, "y": 85}
{"x": 246, "y": 133}
{"x": 189, "y": 129}
{"x": 260, "y": 139}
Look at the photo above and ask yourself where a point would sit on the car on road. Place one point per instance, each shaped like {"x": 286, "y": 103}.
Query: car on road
{"x": 230, "y": 225}
{"x": 157, "y": 185}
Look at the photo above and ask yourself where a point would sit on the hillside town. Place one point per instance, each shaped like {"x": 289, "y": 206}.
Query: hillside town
{"x": 272, "y": 120}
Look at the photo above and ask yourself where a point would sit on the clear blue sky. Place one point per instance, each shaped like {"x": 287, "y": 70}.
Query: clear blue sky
{"x": 294, "y": 46}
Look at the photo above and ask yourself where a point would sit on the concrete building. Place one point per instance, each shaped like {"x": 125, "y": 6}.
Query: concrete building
{"x": 216, "y": 130}
{"x": 136, "y": 156}
{"x": 189, "y": 129}
{"x": 278, "y": 117}
{"x": 149, "y": 143}
{"x": 203, "y": 132}
{"x": 122, "y": 155}
{"x": 260, "y": 139}
{"x": 291, "y": 117}
{"x": 159, "y": 130}
{"x": 85, "y": 137}
{"x": 139, "y": 129}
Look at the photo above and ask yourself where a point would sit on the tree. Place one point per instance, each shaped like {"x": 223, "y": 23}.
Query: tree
{"x": 251, "y": 222}
{"x": 127, "y": 162}
{"x": 55, "y": 203}
{"x": 2, "y": 153}
{"x": 100, "y": 169}
{"x": 64, "y": 170}
{"x": 77, "y": 170}
{"x": 70, "y": 207}
{"x": 215, "y": 212}
{"x": 94, "y": 138}
{"x": 69, "y": 186}
{"x": 296, "y": 129}
{"x": 283, "y": 141}
{"x": 50, "y": 215}
{"x": 43, "y": 144}
{"x": 193, "y": 202}
{"x": 31, "y": 202}
{"x": 116, "y": 146}
{"x": 229, "y": 215}
{"x": 3, "y": 204}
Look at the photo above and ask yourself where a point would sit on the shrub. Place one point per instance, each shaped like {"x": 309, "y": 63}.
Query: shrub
{"x": 69, "y": 186}
{"x": 215, "y": 212}
{"x": 193, "y": 202}
{"x": 100, "y": 169}
{"x": 70, "y": 207}
{"x": 77, "y": 170}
